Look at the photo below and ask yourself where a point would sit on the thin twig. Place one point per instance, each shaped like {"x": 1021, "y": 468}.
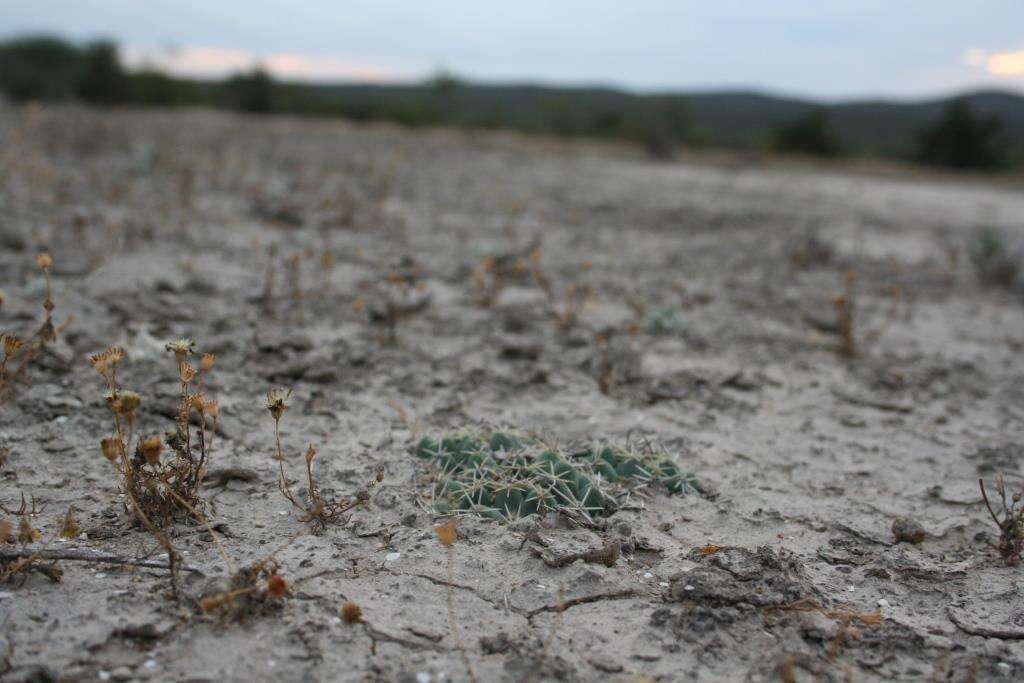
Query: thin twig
{"x": 80, "y": 556}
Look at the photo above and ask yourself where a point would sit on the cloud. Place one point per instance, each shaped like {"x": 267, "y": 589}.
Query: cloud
{"x": 203, "y": 61}
{"x": 1009, "y": 63}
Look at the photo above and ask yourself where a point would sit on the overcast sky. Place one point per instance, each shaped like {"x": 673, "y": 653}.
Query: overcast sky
{"x": 830, "y": 49}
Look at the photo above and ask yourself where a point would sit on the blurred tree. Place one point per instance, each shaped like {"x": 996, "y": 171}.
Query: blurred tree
{"x": 963, "y": 140}
{"x": 661, "y": 125}
{"x": 38, "y": 68}
{"x": 157, "y": 89}
{"x": 102, "y": 79}
{"x": 253, "y": 92}
{"x": 810, "y": 134}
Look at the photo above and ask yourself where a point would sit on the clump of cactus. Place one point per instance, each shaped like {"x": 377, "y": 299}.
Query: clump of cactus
{"x": 508, "y": 476}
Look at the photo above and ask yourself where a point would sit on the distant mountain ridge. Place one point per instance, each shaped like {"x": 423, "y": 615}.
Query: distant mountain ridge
{"x": 733, "y": 118}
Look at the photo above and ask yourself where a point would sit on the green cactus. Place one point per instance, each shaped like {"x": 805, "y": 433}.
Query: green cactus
{"x": 507, "y": 476}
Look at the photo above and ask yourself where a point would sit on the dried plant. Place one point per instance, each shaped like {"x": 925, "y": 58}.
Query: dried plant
{"x": 14, "y": 563}
{"x": 849, "y": 325}
{"x": 399, "y": 297}
{"x": 1011, "y": 527}
{"x": 252, "y": 590}
{"x": 494, "y": 271}
{"x": 566, "y": 307}
{"x": 351, "y": 613}
{"x": 269, "y": 278}
{"x": 27, "y": 351}
{"x": 316, "y": 509}
{"x": 809, "y": 250}
{"x": 163, "y": 488}
{"x": 327, "y": 263}
{"x": 447, "y": 534}
{"x": 616, "y": 359}
{"x": 295, "y": 285}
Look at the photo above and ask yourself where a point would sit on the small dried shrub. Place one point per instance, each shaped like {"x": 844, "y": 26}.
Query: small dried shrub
{"x": 25, "y": 352}
{"x": 856, "y": 335}
{"x": 251, "y": 591}
{"x": 616, "y": 359}
{"x": 1011, "y": 527}
{"x": 315, "y": 509}
{"x": 395, "y": 299}
{"x": 163, "y": 488}
{"x": 567, "y": 306}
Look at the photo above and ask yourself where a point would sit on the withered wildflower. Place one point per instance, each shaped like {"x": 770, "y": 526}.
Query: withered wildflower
{"x": 150, "y": 449}
{"x": 26, "y": 534}
{"x": 207, "y": 361}
{"x": 351, "y": 613}
{"x": 446, "y": 533}
{"x": 69, "y": 526}
{"x": 277, "y": 586}
{"x": 276, "y": 403}
{"x": 181, "y": 348}
{"x": 186, "y": 372}
{"x": 110, "y": 446}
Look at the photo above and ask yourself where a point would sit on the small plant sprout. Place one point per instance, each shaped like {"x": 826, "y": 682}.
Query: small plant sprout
{"x": 316, "y": 509}
{"x": 853, "y": 339}
{"x": 1011, "y": 527}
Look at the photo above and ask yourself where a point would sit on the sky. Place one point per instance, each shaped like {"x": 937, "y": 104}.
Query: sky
{"x": 823, "y": 49}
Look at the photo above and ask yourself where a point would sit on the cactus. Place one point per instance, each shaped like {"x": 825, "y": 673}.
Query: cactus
{"x": 508, "y": 476}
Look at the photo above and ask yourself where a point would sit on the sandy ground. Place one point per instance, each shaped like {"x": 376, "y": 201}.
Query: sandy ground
{"x": 159, "y": 225}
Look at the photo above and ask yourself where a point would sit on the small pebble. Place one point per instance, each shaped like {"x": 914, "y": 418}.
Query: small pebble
{"x": 121, "y": 673}
{"x": 648, "y": 575}
{"x": 392, "y": 557}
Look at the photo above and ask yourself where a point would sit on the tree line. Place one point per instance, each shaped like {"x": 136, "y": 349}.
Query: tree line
{"x": 51, "y": 69}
